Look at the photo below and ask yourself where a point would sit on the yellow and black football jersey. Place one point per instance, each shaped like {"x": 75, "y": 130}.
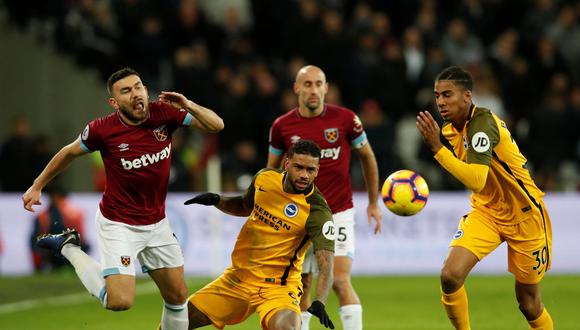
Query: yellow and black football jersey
{"x": 271, "y": 245}
{"x": 509, "y": 194}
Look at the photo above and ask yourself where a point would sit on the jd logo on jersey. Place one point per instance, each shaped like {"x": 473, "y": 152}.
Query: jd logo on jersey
{"x": 161, "y": 133}
{"x": 331, "y": 134}
{"x": 480, "y": 142}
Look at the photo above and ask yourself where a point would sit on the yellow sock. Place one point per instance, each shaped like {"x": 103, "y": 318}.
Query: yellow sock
{"x": 544, "y": 322}
{"x": 457, "y": 308}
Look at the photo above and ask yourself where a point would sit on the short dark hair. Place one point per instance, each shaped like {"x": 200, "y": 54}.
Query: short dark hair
{"x": 124, "y": 72}
{"x": 304, "y": 147}
{"x": 458, "y": 75}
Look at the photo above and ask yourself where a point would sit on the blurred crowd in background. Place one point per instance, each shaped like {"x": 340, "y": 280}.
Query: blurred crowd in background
{"x": 240, "y": 57}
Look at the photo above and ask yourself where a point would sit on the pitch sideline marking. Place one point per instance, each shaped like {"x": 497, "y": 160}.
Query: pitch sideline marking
{"x": 68, "y": 299}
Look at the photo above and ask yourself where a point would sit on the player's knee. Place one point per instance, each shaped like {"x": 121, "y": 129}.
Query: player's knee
{"x": 341, "y": 282}
{"x": 306, "y": 281}
{"x": 451, "y": 280}
{"x": 531, "y": 308}
{"x": 120, "y": 303}
{"x": 177, "y": 296}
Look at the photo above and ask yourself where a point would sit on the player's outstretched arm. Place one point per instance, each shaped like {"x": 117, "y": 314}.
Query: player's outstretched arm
{"x": 203, "y": 118}
{"x": 325, "y": 260}
{"x": 230, "y": 205}
{"x": 57, "y": 164}
{"x": 371, "y": 177}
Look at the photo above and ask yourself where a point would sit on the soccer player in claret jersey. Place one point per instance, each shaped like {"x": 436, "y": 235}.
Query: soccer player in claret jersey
{"x": 336, "y": 130}
{"x": 135, "y": 143}
{"x": 285, "y": 213}
{"x": 475, "y": 146}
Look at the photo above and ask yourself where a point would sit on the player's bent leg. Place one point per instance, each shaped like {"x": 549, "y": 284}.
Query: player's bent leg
{"x": 350, "y": 310}
{"x": 456, "y": 267}
{"x": 120, "y": 292}
{"x": 284, "y": 319}
{"x": 196, "y": 317}
{"x": 530, "y": 304}
{"x": 307, "y": 280}
{"x": 171, "y": 284}
{"x": 342, "y": 284}
{"x": 305, "y": 316}
{"x": 68, "y": 243}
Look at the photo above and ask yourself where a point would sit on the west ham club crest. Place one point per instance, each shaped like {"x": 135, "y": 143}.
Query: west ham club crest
{"x": 331, "y": 134}
{"x": 161, "y": 133}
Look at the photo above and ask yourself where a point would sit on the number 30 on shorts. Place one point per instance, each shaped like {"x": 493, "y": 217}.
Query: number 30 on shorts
{"x": 541, "y": 257}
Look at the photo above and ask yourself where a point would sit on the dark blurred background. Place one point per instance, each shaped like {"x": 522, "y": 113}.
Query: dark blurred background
{"x": 240, "y": 57}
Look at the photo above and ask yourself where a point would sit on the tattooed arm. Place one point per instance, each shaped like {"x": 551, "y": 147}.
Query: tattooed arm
{"x": 325, "y": 261}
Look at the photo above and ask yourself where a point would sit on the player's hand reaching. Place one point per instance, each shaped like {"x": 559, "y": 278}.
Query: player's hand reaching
{"x": 204, "y": 199}
{"x": 317, "y": 309}
{"x": 175, "y": 99}
{"x": 31, "y": 197}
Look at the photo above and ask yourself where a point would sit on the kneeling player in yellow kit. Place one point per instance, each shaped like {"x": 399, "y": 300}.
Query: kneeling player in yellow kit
{"x": 506, "y": 204}
{"x": 286, "y": 212}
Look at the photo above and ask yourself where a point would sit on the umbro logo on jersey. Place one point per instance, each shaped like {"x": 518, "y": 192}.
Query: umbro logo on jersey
{"x": 294, "y": 139}
{"x": 123, "y": 147}
{"x": 147, "y": 159}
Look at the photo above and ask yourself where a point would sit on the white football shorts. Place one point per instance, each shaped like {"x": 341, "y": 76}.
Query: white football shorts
{"x": 343, "y": 242}
{"x": 119, "y": 244}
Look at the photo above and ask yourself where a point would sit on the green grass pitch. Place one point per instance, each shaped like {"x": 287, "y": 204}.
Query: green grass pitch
{"x": 58, "y": 301}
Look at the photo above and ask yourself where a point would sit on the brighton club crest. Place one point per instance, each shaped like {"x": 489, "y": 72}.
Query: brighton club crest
{"x": 331, "y": 134}
{"x": 161, "y": 133}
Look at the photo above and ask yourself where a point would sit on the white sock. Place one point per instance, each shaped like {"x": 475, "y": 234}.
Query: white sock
{"x": 351, "y": 317}
{"x": 174, "y": 317}
{"x": 305, "y": 320}
{"x": 88, "y": 270}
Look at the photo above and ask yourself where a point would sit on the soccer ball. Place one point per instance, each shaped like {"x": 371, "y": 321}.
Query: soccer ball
{"x": 405, "y": 192}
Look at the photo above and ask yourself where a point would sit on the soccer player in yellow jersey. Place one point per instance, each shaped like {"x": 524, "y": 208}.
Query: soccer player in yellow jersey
{"x": 475, "y": 146}
{"x": 286, "y": 212}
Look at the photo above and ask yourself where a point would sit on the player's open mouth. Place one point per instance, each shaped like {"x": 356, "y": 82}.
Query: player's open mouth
{"x": 139, "y": 106}
{"x": 301, "y": 185}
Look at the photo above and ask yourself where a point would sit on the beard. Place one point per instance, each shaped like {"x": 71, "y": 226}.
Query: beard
{"x": 134, "y": 116}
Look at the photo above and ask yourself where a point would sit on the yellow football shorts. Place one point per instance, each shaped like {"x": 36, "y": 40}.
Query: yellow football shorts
{"x": 228, "y": 301}
{"x": 529, "y": 242}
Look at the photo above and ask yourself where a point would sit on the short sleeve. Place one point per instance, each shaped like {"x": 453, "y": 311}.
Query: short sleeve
{"x": 277, "y": 146}
{"x": 90, "y": 138}
{"x": 483, "y": 136}
{"x": 319, "y": 225}
{"x": 355, "y": 131}
{"x": 175, "y": 117}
